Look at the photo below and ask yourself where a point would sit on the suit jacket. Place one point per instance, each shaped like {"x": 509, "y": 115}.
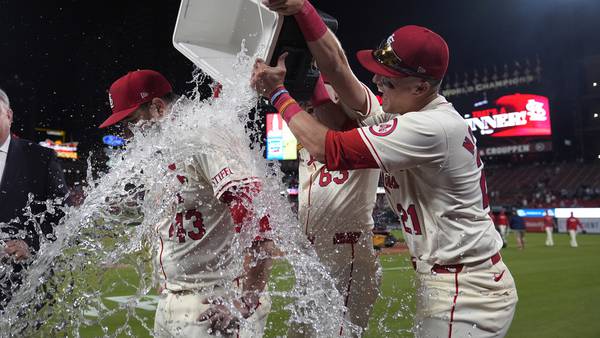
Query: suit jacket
{"x": 30, "y": 168}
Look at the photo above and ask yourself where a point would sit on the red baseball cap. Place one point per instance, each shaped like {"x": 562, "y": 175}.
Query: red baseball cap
{"x": 129, "y": 92}
{"x": 409, "y": 51}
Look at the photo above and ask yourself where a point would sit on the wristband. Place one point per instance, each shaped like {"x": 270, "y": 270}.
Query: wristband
{"x": 287, "y": 107}
{"x": 291, "y": 111}
{"x": 310, "y": 22}
{"x": 277, "y": 94}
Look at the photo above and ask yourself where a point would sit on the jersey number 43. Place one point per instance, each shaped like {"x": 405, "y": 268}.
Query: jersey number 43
{"x": 178, "y": 229}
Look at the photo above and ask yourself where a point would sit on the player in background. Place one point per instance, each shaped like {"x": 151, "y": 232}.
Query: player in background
{"x": 336, "y": 213}
{"x": 517, "y": 225}
{"x": 215, "y": 199}
{"x": 549, "y": 226}
{"x": 432, "y": 171}
{"x": 336, "y": 207}
{"x": 502, "y": 222}
{"x": 573, "y": 224}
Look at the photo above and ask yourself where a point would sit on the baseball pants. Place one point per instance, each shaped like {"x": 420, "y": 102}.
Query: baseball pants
{"x": 549, "y": 240}
{"x": 573, "y": 236}
{"x": 354, "y": 266}
{"x": 472, "y": 301}
{"x": 177, "y": 316}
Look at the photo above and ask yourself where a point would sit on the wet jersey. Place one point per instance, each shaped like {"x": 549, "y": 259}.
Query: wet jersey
{"x": 434, "y": 180}
{"x": 337, "y": 201}
{"x": 193, "y": 252}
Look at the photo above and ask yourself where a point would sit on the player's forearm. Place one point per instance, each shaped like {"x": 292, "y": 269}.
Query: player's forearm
{"x": 310, "y": 133}
{"x": 330, "y": 57}
{"x": 338, "y": 150}
{"x": 258, "y": 269}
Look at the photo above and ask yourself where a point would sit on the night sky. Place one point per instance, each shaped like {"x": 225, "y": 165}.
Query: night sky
{"x": 57, "y": 61}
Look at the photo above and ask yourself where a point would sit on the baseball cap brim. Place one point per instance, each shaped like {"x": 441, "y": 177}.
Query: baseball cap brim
{"x": 366, "y": 59}
{"x": 118, "y": 116}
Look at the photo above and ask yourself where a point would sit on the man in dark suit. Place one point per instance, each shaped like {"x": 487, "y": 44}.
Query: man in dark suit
{"x": 25, "y": 168}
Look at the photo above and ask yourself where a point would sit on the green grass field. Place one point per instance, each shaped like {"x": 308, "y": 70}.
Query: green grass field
{"x": 559, "y": 293}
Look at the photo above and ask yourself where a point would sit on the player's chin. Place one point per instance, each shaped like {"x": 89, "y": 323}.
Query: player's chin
{"x": 386, "y": 104}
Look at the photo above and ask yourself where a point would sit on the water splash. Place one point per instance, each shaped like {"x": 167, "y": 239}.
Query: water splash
{"x": 115, "y": 226}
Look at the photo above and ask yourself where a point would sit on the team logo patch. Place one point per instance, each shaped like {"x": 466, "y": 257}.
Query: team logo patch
{"x": 384, "y": 129}
{"x": 110, "y": 101}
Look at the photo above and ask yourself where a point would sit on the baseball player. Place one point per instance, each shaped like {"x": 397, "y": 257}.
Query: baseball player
{"x": 573, "y": 225}
{"x": 335, "y": 210}
{"x": 195, "y": 240}
{"x": 432, "y": 172}
{"x": 517, "y": 225}
{"x": 502, "y": 221}
{"x": 549, "y": 225}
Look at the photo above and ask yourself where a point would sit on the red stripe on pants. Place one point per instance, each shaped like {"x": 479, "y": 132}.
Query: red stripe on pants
{"x": 349, "y": 286}
{"x": 453, "y": 304}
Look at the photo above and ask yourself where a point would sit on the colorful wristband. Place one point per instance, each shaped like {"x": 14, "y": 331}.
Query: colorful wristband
{"x": 291, "y": 111}
{"x": 287, "y": 107}
{"x": 310, "y": 22}
{"x": 277, "y": 94}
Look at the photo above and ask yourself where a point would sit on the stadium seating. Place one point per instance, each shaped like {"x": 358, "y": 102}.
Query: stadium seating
{"x": 544, "y": 185}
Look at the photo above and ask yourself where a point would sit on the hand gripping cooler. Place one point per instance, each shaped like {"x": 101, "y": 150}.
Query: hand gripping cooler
{"x": 210, "y": 33}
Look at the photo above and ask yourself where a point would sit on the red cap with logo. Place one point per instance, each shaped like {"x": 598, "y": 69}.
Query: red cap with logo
{"x": 409, "y": 51}
{"x": 129, "y": 92}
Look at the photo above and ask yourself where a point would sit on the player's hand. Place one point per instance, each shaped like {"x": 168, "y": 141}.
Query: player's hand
{"x": 284, "y": 7}
{"x": 18, "y": 249}
{"x": 266, "y": 79}
{"x": 221, "y": 318}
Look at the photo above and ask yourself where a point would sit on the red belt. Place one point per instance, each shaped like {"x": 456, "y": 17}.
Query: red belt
{"x": 453, "y": 268}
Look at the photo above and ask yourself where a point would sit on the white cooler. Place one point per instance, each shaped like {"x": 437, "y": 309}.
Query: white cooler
{"x": 210, "y": 33}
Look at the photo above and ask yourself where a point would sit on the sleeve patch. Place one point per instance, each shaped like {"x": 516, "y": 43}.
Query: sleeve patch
{"x": 384, "y": 129}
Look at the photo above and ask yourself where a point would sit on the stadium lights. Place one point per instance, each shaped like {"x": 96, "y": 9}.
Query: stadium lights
{"x": 595, "y": 115}
{"x": 595, "y": 84}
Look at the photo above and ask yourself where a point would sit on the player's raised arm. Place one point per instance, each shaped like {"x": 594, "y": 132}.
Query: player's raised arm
{"x": 326, "y": 49}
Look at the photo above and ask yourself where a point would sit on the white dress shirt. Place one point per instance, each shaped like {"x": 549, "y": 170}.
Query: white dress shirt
{"x": 3, "y": 154}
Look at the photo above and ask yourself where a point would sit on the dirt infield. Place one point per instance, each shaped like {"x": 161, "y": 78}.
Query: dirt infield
{"x": 396, "y": 249}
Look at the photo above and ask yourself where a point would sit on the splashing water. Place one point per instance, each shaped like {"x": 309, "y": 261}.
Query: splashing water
{"x": 64, "y": 284}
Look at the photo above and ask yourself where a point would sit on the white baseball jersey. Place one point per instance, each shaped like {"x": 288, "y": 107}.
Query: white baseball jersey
{"x": 337, "y": 201}
{"x": 434, "y": 180}
{"x": 194, "y": 242}
{"x": 335, "y": 211}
